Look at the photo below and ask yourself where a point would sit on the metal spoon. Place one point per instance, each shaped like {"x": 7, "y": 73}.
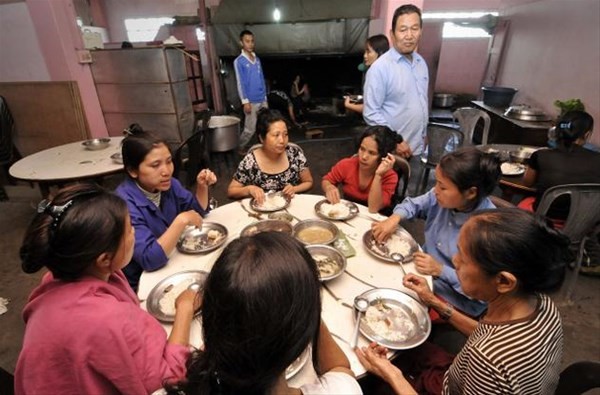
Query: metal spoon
{"x": 361, "y": 305}
{"x": 398, "y": 258}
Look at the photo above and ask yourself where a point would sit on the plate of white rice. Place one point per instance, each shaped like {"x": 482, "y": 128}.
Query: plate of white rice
{"x": 274, "y": 201}
{"x": 401, "y": 242}
{"x": 394, "y": 319}
{"x": 341, "y": 211}
{"x": 161, "y": 300}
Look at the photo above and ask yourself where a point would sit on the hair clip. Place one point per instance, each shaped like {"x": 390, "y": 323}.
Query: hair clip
{"x": 127, "y": 132}
{"x": 565, "y": 125}
{"x": 46, "y": 206}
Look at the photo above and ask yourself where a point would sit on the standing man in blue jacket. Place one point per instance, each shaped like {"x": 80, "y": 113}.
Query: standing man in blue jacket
{"x": 250, "y": 84}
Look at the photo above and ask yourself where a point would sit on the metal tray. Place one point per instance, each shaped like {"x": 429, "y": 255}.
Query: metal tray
{"x": 200, "y": 236}
{"x": 352, "y": 210}
{"x": 416, "y": 311}
{"x": 163, "y": 287}
{"x": 262, "y": 209}
{"x": 267, "y": 225}
{"x": 373, "y": 248}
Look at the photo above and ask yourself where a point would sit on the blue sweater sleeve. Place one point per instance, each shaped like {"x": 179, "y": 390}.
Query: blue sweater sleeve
{"x": 415, "y": 207}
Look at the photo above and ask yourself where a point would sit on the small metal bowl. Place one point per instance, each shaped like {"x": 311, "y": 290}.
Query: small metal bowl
{"x": 519, "y": 156}
{"x": 96, "y": 144}
{"x": 316, "y": 250}
{"x": 308, "y": 238}
{"x": 267, "y": 225}
{"x": 282, "y": 216}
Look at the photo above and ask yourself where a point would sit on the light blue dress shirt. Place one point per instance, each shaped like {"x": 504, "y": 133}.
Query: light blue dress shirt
{"x": 395, "y": 95}
{"x": 442, "y": 226}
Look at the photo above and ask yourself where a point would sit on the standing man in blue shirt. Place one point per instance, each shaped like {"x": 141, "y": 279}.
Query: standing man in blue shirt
{"x": 395, "y": 93}
{"x": 250, "y": 84}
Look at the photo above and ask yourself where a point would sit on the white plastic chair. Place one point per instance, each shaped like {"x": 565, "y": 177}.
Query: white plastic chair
{"x": 468, "y": 118}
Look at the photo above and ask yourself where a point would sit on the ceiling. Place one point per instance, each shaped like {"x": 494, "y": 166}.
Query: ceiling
{"x": 261, "y": 11}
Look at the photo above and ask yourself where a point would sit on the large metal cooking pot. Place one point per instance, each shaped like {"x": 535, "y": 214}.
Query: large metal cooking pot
{"x": 224, "y": 133}
{"x": 498, "y": 96}
{"x": 443, "y": 100}
{"x": 525, "y": 113}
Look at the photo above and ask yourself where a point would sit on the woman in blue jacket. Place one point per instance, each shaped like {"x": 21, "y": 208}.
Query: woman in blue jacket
{"x": 159, "y": 206}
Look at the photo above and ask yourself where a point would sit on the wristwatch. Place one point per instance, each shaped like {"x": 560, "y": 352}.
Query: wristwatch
{"x": 447, "y": 312}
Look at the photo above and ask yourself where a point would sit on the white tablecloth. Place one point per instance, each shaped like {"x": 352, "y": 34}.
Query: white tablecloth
{"x": 339, "y": 318}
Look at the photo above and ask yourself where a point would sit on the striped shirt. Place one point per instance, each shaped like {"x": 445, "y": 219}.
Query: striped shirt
{"x": 514, "y": 357}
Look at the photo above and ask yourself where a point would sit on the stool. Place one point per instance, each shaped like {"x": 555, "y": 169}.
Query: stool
{"x": 314, "y": 134}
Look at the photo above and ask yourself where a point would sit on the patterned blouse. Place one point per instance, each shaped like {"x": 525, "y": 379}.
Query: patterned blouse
{"x": 249, "y": 173}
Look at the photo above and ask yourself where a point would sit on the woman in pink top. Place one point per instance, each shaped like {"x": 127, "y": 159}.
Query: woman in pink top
{"x": 367, "y": 177}
{"x": 85, "y": 332}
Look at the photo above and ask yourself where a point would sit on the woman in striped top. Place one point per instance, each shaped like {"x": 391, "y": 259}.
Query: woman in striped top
{"x": 507, "y": 258}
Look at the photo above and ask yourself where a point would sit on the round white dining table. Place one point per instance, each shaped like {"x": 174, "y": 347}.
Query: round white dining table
{"x": 67, "y": 162}
{"x": 337, "y": 314}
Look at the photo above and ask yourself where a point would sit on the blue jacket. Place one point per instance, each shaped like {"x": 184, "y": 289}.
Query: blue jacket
{"x": 250, "y": 79}
{"x": 150, "y": 222}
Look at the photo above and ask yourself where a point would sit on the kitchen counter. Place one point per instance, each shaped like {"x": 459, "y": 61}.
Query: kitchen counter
{"x": 508, "y": 130}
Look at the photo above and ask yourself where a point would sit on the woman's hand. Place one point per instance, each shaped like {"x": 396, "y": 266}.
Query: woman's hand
{"x": 374, "y": 359}
{"x": 189, "y": 218}
{"x": 347, "y": 101}
{"x": 382, "y": 230}
{"x": 333, "y": 195}
{"x": 425, "y": 264}
{"x": 206, "y": 177}
{"x": 188, "y": 300}
{"x": 257, "y": 193}
{"x": 247, "y": 108}
{"x": 403, "y": 149}
{"x": 420, "y": 286}
{"x": 289, "y": 191}
{"x": 386, "y": 164}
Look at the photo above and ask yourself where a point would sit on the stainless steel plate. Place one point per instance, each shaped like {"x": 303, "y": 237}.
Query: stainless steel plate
{"x": 161, "y": 289}
{"x": 414, "y": 310}
{"x": 297, "y": 365}
{"x": 352, "y": 210}
{"x": 377, "y": 251}
{"x": 333, "y": 254}
{"x": 269, "y": 208}
{"x": 267, "y": 225}
{"x": 201, "y": 240}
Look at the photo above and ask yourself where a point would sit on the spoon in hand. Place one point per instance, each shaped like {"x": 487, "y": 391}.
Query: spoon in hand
{"x": 398, "y": 258}
{"x": 361, "y": 305}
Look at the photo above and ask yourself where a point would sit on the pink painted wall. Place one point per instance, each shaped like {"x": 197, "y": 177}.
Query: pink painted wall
{"x": 60, "y": 39}
{"x": 20, "y": 53}
{"x": 553, "y": 52}
{"x": 462, "y": 64}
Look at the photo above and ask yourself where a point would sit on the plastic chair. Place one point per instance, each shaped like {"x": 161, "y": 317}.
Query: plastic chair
{"x": 192, "y": 154}
{"x": 441, "y": 140}
{"x": 468, "y": 118}
{"x": 584, "y": 215}
{"x": 579, "y": 377}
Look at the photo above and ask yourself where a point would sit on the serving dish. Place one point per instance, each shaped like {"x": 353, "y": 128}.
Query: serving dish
{"x": 96, "y": 144}
{"x": 400, "y": 241}
{"x": 342, "y": 211}
{"x": 524, "y": 112}
{"x": 274, "y": 201}
{"x": 169, "y": 284}
{"x": 315, "y": 231}
{"x": 330, "y": 262}
{"x": 282, "y": 216}
{"x": 267, "y": 225}
{"x": 512, "y": 169}
{"x": 403, "y": 305}
{"x": 200, "y": 240}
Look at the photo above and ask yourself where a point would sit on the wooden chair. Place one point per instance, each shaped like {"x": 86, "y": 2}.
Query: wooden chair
{"x": 584, "y": 215}
{"x": 441, "y": 139}
{"x": 468, "y": 118}
{"x": 578, "y": 378}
